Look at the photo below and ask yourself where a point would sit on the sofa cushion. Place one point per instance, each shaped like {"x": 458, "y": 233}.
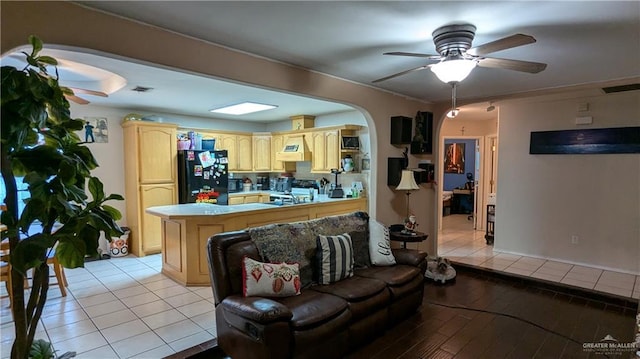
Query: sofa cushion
{"x": 366, "y": 296}
{"x": 394, "y": 276}
{"x": 269, "y": 279}
{"x": 353, "y": 289}
{"x": 334, "y": 258}
{"x": 312, "y": 308}
{"x": 360, "y": 242}
{"x": 380, "y": 245}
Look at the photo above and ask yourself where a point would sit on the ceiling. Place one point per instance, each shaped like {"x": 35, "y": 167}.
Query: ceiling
{"x": 582, "y": 42}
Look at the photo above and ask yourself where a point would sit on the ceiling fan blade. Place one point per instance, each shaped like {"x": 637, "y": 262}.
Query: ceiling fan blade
{"x": 413, "y": 54}
{"x": 516, "y": 65}
{"x": 89, "y": 92}
{"x": 501, "y": 44}
{"x": 400, "y": 73}
{"x": 76, "y": 99}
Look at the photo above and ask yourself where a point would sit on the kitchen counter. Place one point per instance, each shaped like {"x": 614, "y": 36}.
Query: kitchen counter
{"x": 207, "y": 209}
{"x": 186, "y": 228}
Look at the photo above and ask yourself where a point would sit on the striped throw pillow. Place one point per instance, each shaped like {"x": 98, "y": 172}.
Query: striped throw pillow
{"x": 335, "y": 258}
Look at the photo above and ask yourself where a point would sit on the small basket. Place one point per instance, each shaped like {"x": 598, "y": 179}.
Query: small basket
{"x": 119, "y": 246}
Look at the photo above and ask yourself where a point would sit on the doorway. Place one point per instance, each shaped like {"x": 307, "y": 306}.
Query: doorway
{"x": 461, "y": 176}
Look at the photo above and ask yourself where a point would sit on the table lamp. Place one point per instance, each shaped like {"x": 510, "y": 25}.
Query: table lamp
{"x": 407, "y": 183}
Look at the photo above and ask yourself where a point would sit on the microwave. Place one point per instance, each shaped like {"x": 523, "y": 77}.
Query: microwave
{"x": 235, "y": 185}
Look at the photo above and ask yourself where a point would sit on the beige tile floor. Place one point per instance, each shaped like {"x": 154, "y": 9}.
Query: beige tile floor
{"x": 120, "y": 308}
{"x": 460, "y": 243}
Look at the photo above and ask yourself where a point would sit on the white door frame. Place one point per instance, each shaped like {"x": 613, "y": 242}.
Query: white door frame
{"x": 479, "y": 195}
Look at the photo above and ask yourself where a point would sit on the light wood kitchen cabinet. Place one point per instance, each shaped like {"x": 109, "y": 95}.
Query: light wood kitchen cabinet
{"x": 151, "y": 234}
{"x": 156, "y": 153}
{"x": 325, "y": 150}
{"x": 241, "y": 198}
{"x": 238, "y": 151}
{"x": 150, "y": 179}
{"x": 262, "y": 153}
{"x": 245, "y": 153}
{"x": 229, "y": 143}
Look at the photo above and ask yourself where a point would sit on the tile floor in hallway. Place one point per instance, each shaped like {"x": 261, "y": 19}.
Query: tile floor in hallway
{"x": 121, "y": 308}
{"x": 460, "y": 243}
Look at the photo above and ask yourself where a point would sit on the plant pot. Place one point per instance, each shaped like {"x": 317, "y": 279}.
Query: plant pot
{"x": 119, "y": 247}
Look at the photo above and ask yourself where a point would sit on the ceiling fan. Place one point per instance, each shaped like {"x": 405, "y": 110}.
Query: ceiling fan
{"x": 457, "y": 58}
{"x": 73, "y": 76}
{"x": 71, "y": 95}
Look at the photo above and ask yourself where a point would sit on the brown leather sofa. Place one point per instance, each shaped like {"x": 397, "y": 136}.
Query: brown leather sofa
{"x": 324, "y": 321}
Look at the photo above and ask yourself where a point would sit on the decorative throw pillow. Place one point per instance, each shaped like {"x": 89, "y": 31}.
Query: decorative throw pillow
{"x": 335, "y": 258}
{"x": 360, "y": 242}
{"x": 379, "y": 245}
{"x": 270, "y": 279}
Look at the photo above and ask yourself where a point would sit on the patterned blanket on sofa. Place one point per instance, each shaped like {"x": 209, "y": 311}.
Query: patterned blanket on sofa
{"x": 296, "y": 242}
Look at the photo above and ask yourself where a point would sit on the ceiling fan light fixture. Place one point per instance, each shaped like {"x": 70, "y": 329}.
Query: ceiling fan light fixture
{"x": 453, "y": 113}
{"x": 449, "y": 71}
{"x": 243, "y": 108}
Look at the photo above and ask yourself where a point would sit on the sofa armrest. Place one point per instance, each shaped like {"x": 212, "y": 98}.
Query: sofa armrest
{"x": 257, "y": 309}
{"x": 254, "y": 327}
{"x": 410, "y": 257}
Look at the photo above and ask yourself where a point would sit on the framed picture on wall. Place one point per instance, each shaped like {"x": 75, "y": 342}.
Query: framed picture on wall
{"x": 454, "y": 158}
{"x": 96, "y": 130}
{"x": 422, "y": 141}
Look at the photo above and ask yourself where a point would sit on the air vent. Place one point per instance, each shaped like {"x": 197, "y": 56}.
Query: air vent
{"x": 622, "y": 88}
{"x": 142, "y": 89}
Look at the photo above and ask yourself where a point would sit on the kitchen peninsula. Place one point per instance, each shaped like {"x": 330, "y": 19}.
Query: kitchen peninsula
{"x": 187, "y": 227}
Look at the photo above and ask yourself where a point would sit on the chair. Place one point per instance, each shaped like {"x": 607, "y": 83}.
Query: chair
{"x": 58, "y": 270}
{"x": 5, "y": 270}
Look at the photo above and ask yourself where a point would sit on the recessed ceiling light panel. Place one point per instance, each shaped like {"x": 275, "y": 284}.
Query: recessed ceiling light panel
{"x": 243, "y": 108}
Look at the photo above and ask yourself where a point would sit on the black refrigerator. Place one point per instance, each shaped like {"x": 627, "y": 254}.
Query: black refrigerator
{"x": 203, "y": 177}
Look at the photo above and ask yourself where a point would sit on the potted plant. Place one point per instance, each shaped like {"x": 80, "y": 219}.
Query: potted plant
{"x": 39, "y": 144}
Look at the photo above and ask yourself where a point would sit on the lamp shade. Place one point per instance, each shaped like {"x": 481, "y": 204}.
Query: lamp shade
{"x": 453, "y": 70}
{"x": 407, "y": 182}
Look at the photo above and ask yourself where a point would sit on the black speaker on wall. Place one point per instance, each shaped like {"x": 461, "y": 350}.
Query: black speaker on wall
{"x": 395, "y": 165}
{"x": 400, "y": 130}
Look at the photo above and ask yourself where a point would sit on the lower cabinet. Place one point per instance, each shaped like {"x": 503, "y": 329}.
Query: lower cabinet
{"x": 240, "y": 198}
{"x": 152, "y": 195}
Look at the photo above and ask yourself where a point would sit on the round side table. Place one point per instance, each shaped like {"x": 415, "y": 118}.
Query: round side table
{"x": 407, "y": 237}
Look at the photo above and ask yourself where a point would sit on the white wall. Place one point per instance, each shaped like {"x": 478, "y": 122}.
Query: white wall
{"x": 110, "y": 155}
{"x": 543, "y": 200}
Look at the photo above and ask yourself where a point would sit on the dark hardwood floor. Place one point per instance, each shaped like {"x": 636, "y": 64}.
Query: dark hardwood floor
{"x": 554, "y": 322}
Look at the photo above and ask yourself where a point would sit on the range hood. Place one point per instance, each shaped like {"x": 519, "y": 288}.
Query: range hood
{"x": 295, "y": 150}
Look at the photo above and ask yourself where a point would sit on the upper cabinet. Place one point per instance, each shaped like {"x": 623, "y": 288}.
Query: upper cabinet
{"x": 325, "y": 150}
{"x": 262, "y": 152}
{"x": 155, "y": 150}
{"x": 238, "y": 150}
{"x": 257, "y": 152}
{"x": 245, "y": 154}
